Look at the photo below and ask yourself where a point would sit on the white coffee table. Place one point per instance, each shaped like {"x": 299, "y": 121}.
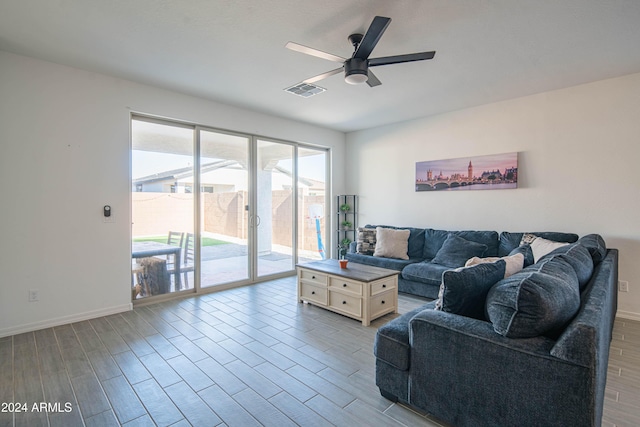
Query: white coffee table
{"x": 360, "y": 291}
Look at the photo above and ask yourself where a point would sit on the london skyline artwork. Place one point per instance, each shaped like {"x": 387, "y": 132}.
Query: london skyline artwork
{"x": 491, "y": 172}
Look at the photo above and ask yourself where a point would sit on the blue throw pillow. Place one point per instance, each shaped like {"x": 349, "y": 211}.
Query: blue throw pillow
{"x": 455, "y": 251}
{"x": 540, "y": 299}
{"x": 464, "y": 290}
{"x": 595, "y": 245}
{"x": 526, "y": 251}
{"x": 578, "y": 257}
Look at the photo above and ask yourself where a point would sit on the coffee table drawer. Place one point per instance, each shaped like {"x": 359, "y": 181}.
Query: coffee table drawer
{"x": 313, "y": 293}
{"x": 346, "y": 303}
{"x": 382, "y": 303}
{"x": 310, "y": 276}
{"x": 383, "y": 285}
{"x": 346, "y": 285}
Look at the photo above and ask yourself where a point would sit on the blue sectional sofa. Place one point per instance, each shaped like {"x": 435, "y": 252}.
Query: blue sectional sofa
{"x": 534, "y": 354}
{"x": 420, "y": 275}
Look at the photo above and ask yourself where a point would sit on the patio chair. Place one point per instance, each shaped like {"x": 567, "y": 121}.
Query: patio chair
{"x": 188, "y": 258}
{"x": 175, "y": 238}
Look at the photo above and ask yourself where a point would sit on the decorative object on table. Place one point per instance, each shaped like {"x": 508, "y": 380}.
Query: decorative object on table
{"x": 344, "y": 247}
{"x": 492, "y": 172}
{"x": 343, "y": 263}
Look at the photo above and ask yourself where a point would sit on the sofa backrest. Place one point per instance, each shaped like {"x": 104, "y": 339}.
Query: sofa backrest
{"x": 434, "y": 239}
{"x": 416, "y": 239}
{"x": 509, "y": 241}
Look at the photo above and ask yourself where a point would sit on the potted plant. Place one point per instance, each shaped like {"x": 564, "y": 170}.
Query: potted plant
{"x": 343, "y": 247}
{"x": 345, "y": 207}
{"x": 346, "y": 224}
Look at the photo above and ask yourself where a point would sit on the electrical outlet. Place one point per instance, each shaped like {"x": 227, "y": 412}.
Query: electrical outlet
{"x": 623, "y": 286}
{"x": 33, "y": 295}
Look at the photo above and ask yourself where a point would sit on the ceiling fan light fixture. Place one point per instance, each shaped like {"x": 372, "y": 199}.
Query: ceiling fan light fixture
{"x": 356, "y": 71}
{"x": 356, "y": 79}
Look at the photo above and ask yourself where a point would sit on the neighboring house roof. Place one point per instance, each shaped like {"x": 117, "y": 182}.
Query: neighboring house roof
{"x": 182, "y": 173}
{"x": 186, "y": 172}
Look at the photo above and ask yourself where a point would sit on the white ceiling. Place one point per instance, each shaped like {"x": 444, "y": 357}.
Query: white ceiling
{"x": 232, "y": 51}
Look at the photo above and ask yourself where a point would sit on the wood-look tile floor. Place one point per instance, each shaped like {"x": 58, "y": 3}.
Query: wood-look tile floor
{"x": 242, "y": 357}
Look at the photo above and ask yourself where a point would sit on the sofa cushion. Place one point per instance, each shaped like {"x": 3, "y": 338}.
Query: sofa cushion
{"x": 525, "y": 250}
{"x": 415, "y": 244}
{"x": 514, "y": 263}
{"x": 425, "y": 272}
{"x": 390, "y": 263}
{"x": 540, "y": 299}
{"x": 434, "y": 239}
{"x": 392, "y": 339}
{"x": 595, "y": 245}
{"x": 578, "y": 257}
{"x": 455, "y": 251}
{"x": 464, "y": 290}
{"x": 366, "y": 241}
{"x": 391, "y": 243}
{"x": 509, "y": 241}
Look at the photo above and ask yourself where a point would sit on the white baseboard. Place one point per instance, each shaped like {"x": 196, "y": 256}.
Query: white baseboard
{"x": 29, "y": 327}
{"x": 628, "y": 315}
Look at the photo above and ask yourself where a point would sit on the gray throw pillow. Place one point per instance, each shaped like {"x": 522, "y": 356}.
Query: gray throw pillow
{"x": 540, "y": 299}
{"x": 464, "y": 290}
{"x": 455, "y": 251}
{"x": 366, "y": 241}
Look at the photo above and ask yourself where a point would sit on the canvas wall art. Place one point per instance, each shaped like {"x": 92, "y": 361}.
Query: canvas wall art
{"x": 492, "y": 172}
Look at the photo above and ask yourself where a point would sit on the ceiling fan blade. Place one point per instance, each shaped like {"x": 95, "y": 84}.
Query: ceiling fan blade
{"x": 314, "y": 52}
{"x": 371, "y": 38}
{"x": 323, "y": 75}
{"x": 372, "y": 80}
{"x": 420, "y": 56}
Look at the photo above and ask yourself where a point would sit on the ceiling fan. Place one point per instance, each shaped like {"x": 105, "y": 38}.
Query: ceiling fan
{"x": 356, "y": 68}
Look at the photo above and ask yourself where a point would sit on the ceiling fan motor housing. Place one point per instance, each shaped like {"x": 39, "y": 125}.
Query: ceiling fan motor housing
{"x": 356, "y": 70}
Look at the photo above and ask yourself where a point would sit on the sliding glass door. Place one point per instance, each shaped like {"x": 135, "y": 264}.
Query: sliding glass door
{"x": 224, "y": 163}
{"x": 214, "y": 208}
{"x": 162, "y": 207}
{"x": 274, "y": 223}
{"x": 312, "y": 217}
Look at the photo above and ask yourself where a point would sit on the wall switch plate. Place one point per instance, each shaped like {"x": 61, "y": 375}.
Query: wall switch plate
{"x": 623, "y": 286}
{"x": 33, "y": 295}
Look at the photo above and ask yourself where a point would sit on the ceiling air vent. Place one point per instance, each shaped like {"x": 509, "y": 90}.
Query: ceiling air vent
{"x": 305, "y": 90}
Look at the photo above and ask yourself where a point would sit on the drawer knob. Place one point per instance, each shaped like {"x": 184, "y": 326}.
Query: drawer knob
{"x": 344, "y": 302}
{"x": 384, "y": 286}
{"x": 382, "y": 301}
{"x": 313, "y": 292}
{"x": 313, "y": 277}
{"x": 344, "y": 285}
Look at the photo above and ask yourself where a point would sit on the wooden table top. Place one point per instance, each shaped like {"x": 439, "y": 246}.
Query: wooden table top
{"x": 360, "y": 272}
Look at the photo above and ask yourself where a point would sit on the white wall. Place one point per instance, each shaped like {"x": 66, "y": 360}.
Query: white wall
{"x": 578, "y": 169}
{"x": 64, "y": 153}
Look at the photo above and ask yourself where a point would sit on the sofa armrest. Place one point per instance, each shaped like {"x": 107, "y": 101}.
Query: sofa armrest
{"x": 586, "y": 339}
{"x": 474, "y": 329}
